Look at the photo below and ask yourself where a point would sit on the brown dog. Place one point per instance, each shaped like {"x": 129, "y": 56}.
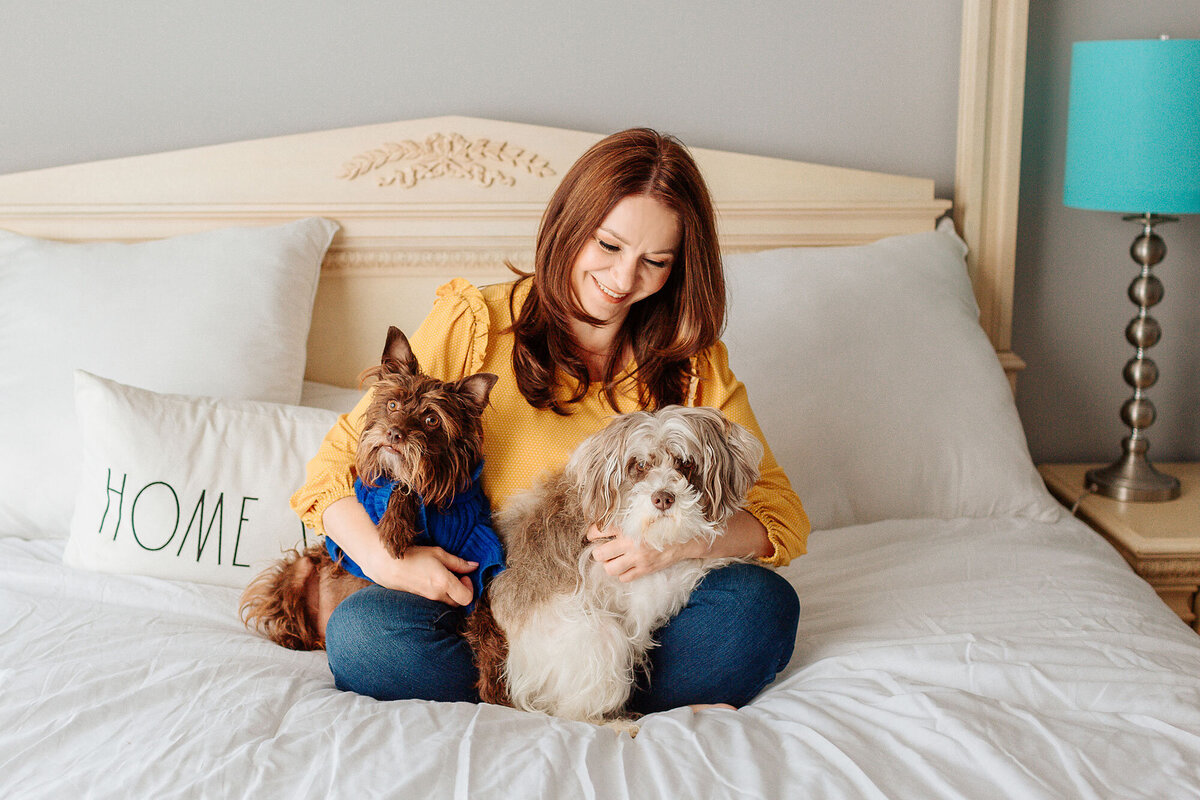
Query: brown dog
{"x": 420, "y": 432}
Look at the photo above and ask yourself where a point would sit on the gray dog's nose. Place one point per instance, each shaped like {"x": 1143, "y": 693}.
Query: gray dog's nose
{"x": 662, "y": 500}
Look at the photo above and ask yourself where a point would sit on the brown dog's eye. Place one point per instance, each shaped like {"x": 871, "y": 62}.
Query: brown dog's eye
{"x": 638, "y": 468}
{"x": 686, "y": 467}
{"x": 392, "y": 405}
{"x": 431, "y": 421}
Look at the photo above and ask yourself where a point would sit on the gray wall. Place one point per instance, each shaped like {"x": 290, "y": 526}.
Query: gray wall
{"x": 1073, "y": 266}
{"x": 873, "y": 88}
{"x": 93, "y": 80}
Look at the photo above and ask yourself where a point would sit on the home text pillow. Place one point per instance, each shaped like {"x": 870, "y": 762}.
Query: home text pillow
{"x": 188, "y": 488}
{"x": 877, "y": 390}
{"x": 224, "y": 313}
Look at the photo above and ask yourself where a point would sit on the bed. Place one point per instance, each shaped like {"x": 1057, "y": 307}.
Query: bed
{"x": 178, "y": 330}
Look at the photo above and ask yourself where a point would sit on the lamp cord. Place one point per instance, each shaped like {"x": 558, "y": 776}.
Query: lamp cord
{"x": 1079, "y": 500}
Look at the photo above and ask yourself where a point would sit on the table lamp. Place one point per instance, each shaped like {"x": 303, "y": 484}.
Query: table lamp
{"x": 1133, "y": 146}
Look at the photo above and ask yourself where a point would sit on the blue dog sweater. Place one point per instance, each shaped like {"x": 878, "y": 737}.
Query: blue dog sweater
{"x": 463, "y": 528}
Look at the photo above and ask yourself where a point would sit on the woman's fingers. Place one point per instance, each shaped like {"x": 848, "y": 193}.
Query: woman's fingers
{"x": 454, "y": 563}
{"x": 455, "y": 586}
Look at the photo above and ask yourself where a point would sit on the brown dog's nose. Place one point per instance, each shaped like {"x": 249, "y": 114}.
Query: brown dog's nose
{"x": 663, "y": 500}
{"x": 395, "y": 435}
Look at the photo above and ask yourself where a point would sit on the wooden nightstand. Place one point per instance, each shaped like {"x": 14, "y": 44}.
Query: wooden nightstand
{"x": 1161, "y": 541}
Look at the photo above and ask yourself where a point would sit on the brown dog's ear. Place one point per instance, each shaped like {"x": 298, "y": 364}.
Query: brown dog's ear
{"x": 478, "y": 387}
{"x": 398, "y": 356}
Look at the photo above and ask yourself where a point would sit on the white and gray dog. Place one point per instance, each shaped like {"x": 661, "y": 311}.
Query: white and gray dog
{"x": 566, "y": 638}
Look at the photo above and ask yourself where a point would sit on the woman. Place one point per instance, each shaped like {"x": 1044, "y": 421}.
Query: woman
{"x": 622, "y": 311}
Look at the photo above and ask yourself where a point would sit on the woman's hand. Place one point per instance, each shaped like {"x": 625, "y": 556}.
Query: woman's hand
{"x": 430, "y": 572}
{"x": 626, "y": 559}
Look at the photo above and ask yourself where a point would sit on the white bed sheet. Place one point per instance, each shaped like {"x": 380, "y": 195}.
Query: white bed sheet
{"x": 961, "y": 658}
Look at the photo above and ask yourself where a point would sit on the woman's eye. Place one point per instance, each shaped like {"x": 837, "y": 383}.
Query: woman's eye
{"x": 653, "y": 263}
{"x": 608, "y": 246}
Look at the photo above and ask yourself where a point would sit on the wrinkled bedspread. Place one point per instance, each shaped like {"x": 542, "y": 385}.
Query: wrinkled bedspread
{"x": 960, "y": 658}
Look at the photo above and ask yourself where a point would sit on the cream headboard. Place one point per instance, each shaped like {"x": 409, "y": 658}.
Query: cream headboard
{"x": 421, "y": 201}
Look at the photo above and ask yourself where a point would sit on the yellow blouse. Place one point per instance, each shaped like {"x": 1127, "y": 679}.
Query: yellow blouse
{"x": 465, "y": 333}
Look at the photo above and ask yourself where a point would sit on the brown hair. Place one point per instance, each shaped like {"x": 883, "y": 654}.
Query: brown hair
{"x": 665, "y": 329}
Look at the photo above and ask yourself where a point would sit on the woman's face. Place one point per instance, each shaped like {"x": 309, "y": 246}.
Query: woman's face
{"x": 628, "y": 258}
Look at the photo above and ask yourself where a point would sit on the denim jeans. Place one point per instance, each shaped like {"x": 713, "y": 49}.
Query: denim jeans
{"x": 735, "y": 634}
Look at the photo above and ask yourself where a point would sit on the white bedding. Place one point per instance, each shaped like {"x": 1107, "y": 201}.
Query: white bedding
{"x": 936, "y": 658}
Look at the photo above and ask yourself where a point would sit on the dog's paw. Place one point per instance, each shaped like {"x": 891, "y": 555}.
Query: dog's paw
{"x": 626, "y": 725}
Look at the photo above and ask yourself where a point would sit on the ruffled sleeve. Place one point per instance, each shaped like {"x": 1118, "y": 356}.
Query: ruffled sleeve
{"x": 452, "y": 341}
{"x": 450, "y": 344}
{"x": 772, "y": 500}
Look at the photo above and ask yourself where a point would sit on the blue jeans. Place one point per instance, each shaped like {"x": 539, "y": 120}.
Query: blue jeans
{"x": 735, "y": 634}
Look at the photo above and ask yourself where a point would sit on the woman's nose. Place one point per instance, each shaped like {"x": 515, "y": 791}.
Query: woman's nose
{"x": 623, "y": 274}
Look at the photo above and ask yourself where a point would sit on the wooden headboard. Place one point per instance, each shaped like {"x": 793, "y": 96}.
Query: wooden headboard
{"x": 420, "y": 201}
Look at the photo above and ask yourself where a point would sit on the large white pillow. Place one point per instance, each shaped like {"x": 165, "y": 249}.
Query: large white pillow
{"x": 879, "y": 393}
{"x": 184, "y": 487}
{"x": 326, "y": 395}
{"x": 223, "y": 313}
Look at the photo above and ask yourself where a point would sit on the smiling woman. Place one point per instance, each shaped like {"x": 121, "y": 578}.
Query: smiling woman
{"x": 634, "y": 199}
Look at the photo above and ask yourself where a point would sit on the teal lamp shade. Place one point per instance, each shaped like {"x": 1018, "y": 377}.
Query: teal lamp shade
{"x": 1133, "y": 128}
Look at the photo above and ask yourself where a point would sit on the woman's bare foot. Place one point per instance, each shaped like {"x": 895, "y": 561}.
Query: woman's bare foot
{"x": 701, "y": 706}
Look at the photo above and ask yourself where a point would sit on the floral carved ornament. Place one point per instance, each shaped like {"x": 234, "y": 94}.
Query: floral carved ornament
{"x": 441, "y": 155}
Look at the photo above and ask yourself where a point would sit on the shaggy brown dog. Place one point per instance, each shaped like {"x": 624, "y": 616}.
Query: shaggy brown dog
{"x": 420, "y": 431}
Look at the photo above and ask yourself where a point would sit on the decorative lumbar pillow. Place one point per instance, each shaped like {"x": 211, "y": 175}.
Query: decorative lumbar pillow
{"x": 184, "y": 487}
{"x": 224, "y": 313}
{"x": 879, "y": 393}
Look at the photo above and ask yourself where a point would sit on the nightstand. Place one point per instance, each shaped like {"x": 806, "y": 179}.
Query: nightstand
{"x": 1161, "y": 541}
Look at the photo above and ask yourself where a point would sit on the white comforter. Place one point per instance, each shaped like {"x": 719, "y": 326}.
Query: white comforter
{"x": 962, "y": 658}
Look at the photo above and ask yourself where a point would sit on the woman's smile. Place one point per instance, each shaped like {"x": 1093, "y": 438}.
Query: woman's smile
{"x": 616, "y": 297}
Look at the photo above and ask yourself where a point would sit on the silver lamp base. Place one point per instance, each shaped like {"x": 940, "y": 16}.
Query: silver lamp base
{"x": 1132, "y": 478}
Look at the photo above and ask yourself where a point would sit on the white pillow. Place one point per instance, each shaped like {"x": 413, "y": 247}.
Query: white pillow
{"x": 878, "y": 392}
{"x": 188, "y": 488}
{"x": 223, "y": 313}
{"x": 326, "y": 395}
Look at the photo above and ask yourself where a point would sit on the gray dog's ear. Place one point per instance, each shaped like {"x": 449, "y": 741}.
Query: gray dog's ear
{"x": 731, "y": 455}
{"x": 746, "y": 454}
{"x": 597, "y": 467}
